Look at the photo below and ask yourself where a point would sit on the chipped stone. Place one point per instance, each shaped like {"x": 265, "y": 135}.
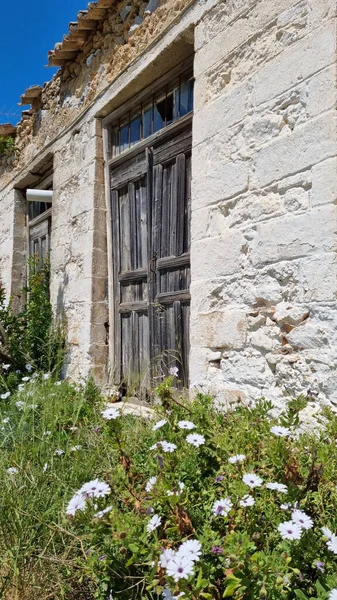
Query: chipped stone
{"x": 292, "y": 315}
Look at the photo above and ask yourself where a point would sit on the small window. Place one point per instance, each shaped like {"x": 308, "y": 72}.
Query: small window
{"x": 170, "y": 104}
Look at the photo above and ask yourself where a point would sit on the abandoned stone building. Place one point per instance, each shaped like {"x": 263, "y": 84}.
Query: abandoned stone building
{"x": 182, "y": 168}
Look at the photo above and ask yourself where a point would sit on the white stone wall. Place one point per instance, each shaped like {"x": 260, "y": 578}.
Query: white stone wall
{"x": 264, "y": 215}
{"x": 79, "y": 254}
{"x": 6, "y": 239}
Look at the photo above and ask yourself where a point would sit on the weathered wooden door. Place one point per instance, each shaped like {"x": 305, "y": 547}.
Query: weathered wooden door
{"x": 150, "y": 208}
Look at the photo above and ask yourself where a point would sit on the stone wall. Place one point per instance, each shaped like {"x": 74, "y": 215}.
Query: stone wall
{"x": 79, "y": 253}
{"x": 264, "y": 319}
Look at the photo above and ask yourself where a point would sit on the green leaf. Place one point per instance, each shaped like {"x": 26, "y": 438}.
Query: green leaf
{"x": 233, "y": 585}
{"x": 300, "y": 595}
{"x": 199, "y": 578}
{"x": 134, "y": 548}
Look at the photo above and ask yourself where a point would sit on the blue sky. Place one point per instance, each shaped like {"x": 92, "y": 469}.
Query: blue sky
{"x": 29, "y": 30}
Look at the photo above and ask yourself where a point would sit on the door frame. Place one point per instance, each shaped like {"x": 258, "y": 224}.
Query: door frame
{"x": 157, "y": 138}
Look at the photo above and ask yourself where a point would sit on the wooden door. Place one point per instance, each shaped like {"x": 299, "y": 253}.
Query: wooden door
{"x": 171, "y": 256}
{"x": 150, "y": 208}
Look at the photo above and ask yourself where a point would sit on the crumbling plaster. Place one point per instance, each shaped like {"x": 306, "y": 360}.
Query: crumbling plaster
{"x": 263, "y": 319}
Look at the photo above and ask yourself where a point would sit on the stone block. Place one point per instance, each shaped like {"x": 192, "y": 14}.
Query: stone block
{"x": 225, "y": 180}
{"x": 324, "y": 182}
{"x": 311, "y": 54}
{"x": 321, "y": 92}
{"x": 309, "y": 335}
{"x": 220, "y": 114}
{"x": 294, "y": 236}
{"x": 307, "y": 145}
{"x": 287, "y": 314}
{"x": 200, "y": 219}
{"x": 218, "y": 256}
{"x": 226, "y": 329}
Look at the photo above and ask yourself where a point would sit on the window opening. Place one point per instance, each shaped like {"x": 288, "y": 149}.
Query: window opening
{"x": 171, "y": 103}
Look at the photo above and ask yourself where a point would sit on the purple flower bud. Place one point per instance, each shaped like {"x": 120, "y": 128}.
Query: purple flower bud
{"x": 149, "y": 510}
{"x": 97, "y": 429}
{"x": 102, "y": 557}
{"x": 217, "y": 550}
{"x": 87, "y": 552}
{"x": 160, "y": 461}
{"x": 300, "y": 576}
{"x": 219, "y": 478}
{"x": 320, "y": 565}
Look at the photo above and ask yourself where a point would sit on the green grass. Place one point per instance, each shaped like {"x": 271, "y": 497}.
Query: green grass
{"x": 58, "y": 440}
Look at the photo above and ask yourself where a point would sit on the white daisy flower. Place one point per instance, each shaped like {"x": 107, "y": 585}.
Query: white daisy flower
{"x": 222, "y": 507}
{"x": 76, "y": 503}
{"x": 154, "y": 522}
{"x": 167, "y": 595}
{"x": 155, "y": 446}
{"x": 25, "y": 378}
{"x": 236, "y": 458}
{"x": 73, "y": 428}
{"x": 5, "y": 395}
{"x": 165, "y": 557}
{"x": 286, "y": 506}
{"x": 195, "y": 439}
{"x": 20, "y": 404}
{"x": 190, "y": 549}
{"x": 46, "y": 376}
{"x": 302, "y": 519}
{"x": 186, "y": 425}
{"x": 280, "y": 431}
{"x": 58, "y": 382}
{"x": 168, "y": 447}
{"x": 58, "y": 452}
{"x": 332, "y": 543}
{"x": 290, "y": 530}
{"x": 247, "y": 501}
{"x": 6, "y": 420}
{"x": 252, "y": 480}
{"x": 103, "y": 512}
{"x": 95, "y": 489}
{"x": 6, "y": 367}
{"x": 110, "y": 413}
{"x": 29, "y": 367}
{"x": 45, "y": 467}
{"x": 174, "y": 371}
{"x": 46, "y": 433}
{"x": 279, "y": 487}
{"x": 12, "y": 470}
{"x": 180, "y": 567}
{"x": 333, "y": 594}
{"x": 159, "y": 424}
{"x": 21, "y": 387}
{"x": 327, "y": 532}
{"x": 150, "y": 484}
{"x": 75, "y": 448}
